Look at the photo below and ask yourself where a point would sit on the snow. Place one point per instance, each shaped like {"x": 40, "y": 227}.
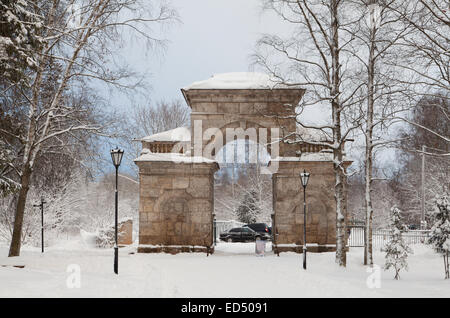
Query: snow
{"x": 173, "y": 135}
{"x": 88, "y": 239}
{"x": 313, "y": 156}
{"x": 296, "y": 245}
{"x": 146, "y": 155}
{"x": 238, "y": 80}
{"x": 312, "y": 134}
{"x": 5, "y": 41}
{"x": 196, "y": 275}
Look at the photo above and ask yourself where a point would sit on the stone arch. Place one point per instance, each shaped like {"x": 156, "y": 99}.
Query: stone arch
{"x": 244, "y": 125}
{"x": 177, "y": 197}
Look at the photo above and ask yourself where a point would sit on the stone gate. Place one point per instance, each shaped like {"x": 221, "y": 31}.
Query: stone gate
{"x": 176, "y": 168}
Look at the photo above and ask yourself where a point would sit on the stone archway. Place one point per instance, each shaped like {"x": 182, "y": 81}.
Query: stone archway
{"x": 216, "y": 109}
{"x": 177, "y": 189}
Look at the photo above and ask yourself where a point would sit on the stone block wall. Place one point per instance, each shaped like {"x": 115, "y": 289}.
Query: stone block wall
{"x": 176, "y": 199}
{"x": 232, "y": 108}
{"x": 320, "y": 205}
{"x": 176, "y": 204}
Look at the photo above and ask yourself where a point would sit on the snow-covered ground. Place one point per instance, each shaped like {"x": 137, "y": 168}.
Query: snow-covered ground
{"x": 233, "y": 271}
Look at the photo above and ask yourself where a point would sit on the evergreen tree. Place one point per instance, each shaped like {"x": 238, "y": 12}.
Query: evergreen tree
{"x": 19, "y": 29}
{"x": 7, "y": 185}
{"x": 440, "y": 232}
{"x": 248, "y": 211}
{"x": 396, "y": 249}
{"x": 19, "y": 38}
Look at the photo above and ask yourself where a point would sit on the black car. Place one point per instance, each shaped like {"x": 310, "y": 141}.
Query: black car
{"x": 241, "y": 234}
{"x": 261, "y": 228}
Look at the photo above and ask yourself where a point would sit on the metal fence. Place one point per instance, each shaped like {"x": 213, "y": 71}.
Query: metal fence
{"x": 381, "y": 237}
{"x": 356, "y": 234}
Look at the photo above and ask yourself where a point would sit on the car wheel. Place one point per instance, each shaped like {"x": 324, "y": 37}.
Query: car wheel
{"x": 230, "y": 240}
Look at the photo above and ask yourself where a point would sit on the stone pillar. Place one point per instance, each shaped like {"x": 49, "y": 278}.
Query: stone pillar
{"x": 288, "y": 206}
{"x": 125, "y": 232}
{"x": 176, "y": 206}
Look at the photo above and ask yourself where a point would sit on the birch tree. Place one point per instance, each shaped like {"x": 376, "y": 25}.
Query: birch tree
{"x": 313, "y": 57}
{"x": 378, "y": 33}
{"x": 79, "y": 39}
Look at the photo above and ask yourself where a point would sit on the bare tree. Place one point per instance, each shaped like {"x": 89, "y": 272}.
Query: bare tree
{"x": 79, "y": 39}
{"x": 427, "y": 54}
{"x": 152, "y": 119}
{"x": 412, "y": 188}
{"x": 163, "y": 116}
{"x": 378, "y": 32}
{"x": 317, "y": 61}
{"x": 429, "y": 45}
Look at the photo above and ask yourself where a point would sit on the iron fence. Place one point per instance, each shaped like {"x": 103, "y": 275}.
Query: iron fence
{"x": 381, "y": 237}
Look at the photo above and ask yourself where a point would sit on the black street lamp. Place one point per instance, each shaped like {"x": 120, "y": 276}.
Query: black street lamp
{"x": 41, "y": 205}
{"x": 304, "y": 177}
{"x": 215, "y": 229}
{"x": 116, "y": 156}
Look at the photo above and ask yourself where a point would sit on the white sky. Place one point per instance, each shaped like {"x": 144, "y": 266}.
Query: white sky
{"x": 215, "y": 36}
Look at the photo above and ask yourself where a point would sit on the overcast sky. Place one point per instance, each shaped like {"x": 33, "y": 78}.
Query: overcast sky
{"x": 215, "y": 36}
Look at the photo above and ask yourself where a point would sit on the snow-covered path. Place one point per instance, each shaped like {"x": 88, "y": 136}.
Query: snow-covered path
{"x": 233, "y": 271}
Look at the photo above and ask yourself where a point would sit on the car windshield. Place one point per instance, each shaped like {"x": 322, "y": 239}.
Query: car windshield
{"x": 257, "y": 226}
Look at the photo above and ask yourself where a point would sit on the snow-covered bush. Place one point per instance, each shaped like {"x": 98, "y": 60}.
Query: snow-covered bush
{"x": 78, "y": 204}
{"x": 396, "y": 249}
{"x": 440, "y": 232}
{"x": 105, "y": 237}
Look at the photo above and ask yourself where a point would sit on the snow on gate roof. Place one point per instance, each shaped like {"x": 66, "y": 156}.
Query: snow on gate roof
{"x": 146, "y": 155}
{"x": 174, "y": 135}
{"x": 238, "y": 80}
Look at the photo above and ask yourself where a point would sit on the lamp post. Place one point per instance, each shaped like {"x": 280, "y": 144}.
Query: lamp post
{"x": 215, "y": 229}
{"x": 41, "y": 205}
{"x": 116, "y": 156}
{"x": 304, "y": 177}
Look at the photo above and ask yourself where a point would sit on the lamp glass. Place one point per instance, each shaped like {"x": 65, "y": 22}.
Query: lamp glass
{"x": 116, "y": 156}
{"x": 305, "y": 177}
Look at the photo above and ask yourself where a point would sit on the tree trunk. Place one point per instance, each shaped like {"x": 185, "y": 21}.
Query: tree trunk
{"x": 341, "y": 256}
{"x": 368, "y": 258}
{"x": 368, "y": 248}
{"x": 446, "y": 265}
{"x": 14, "y": 249}
{"x": 337, "y": 136}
